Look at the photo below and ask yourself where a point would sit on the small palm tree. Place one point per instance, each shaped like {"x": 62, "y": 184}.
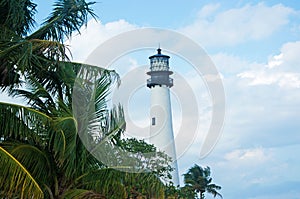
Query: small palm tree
{"x": 198, "y": 180}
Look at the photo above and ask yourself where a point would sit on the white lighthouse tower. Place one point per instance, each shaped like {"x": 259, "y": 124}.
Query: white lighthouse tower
{"x": 161, "y": 129}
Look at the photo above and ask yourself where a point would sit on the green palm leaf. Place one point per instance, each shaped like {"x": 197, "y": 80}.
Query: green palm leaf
{"x": 35, "y": 160}
{"x": 82, "y": 194}
{"x": 66, "y": 17}
{"x": 18, "y": 122}
{"x": 198, "y": 179}
{"x": 28, "y": 57}
{"x": 15, "y": 178}
{"x": 17, "y": 15}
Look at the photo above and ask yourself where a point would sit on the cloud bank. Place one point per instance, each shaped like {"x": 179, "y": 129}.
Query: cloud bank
{"x": 237, "y": 25}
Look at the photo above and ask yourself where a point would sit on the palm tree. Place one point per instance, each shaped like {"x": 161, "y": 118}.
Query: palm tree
{"x": 24, "y": 51}
{"x": 198, "y": 180}
{"x": 42, "y": 144}
{"x": 41, "y": 153}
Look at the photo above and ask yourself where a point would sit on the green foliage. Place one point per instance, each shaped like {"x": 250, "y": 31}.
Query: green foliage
{"x": 17, "y": 15}
{"x": 67, "y": 16}
{"x": 149, "y": 158}
{"x": 15, "y": 178}
{"x": 172, "y": 192}
{"x": 44, "y": 138}
{"x": 186, "y": 192}
{"x": 42, "y": 151}
{"x": 26, "y": 53}
{"x": 198, "y": 180}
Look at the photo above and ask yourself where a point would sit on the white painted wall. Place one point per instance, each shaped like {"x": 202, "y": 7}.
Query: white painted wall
{"x": 161, "y": 133}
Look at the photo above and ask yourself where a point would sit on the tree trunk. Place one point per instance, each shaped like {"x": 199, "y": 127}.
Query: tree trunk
{"x": 201, "y": 194}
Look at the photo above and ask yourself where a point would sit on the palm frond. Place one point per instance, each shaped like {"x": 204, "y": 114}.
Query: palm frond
{"x": 198, "y": 179}
{"x": 67, "y": 16}
{"x": 18, "y": 122}
{"x": 17, "y": 15}
{"x": 101, "y": 180}
{"x": 65, "y": 143}
{"x": 82, "y": 194}
{"x": 33, "y": 159}
{"x": 212, "y": 188}
{"x": 90, "y": 109}
{"x": 25, "y": 53}
{"x": 32, "y": 57}
{"x": 15, "y": 178}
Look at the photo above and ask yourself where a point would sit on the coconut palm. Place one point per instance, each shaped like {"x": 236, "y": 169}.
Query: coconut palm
{"x": 24, "y": 51}
{"x": 42, "y": 138}
{"x": 41, "y": 153}
{"x": 198, "y": 180}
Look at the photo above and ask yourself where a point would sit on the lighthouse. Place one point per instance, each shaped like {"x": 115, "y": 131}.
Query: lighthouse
{"x": 161, "y": 128}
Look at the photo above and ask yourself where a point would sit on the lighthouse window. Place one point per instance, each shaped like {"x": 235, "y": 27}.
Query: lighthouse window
{"x": 153, "y": 121}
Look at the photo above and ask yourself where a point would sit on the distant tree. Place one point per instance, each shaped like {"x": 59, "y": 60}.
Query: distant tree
{"x": 147, "y": 158}
{"x": 186, "y": 193}
{"x": 199, "y": 181}
{"x": 171, "y": 191}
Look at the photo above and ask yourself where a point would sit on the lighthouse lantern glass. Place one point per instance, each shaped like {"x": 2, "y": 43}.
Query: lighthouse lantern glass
{"x": 159, "y": 64}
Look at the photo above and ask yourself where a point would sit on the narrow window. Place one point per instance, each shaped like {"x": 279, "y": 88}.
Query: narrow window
{"x": 153, "y": 121}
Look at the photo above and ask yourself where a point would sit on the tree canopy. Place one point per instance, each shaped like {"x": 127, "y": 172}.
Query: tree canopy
{"x": 198, "y": 180}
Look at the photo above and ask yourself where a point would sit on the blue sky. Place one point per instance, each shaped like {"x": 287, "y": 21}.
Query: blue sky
{"x": 255, "y": 46}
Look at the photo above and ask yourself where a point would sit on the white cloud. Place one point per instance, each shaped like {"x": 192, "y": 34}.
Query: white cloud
{"x": 208, "y": 10}
{"x": 93, "y": 35}
{"x": 264, "y": 77}
{"x": 237, "y": 25}
{"x": 255, "y": 115}
{"x": 282, "y": 69}
{"x": 250, "y": 156}
{"x": 230, "y": 65}
{"x": 275, "y": 61}
{"x": 290, "y": 55}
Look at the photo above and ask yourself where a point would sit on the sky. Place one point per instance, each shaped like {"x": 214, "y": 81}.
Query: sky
{"x": 255, "y": 48}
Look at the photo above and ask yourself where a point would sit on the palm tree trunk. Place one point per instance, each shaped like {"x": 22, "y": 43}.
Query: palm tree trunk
{"x": 201, "y": 195}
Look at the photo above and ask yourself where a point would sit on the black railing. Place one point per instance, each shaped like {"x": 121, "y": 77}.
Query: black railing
{"x": 158, "y": 80}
